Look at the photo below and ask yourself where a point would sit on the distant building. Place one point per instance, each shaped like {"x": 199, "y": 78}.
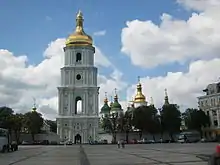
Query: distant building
{"x": 210, "y": 104}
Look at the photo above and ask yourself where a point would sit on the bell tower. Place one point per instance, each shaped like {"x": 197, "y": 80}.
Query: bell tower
{"x": 78, "y": 93}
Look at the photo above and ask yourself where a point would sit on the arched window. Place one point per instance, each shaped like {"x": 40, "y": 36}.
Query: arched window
{"x": 78, "y": 105}
{"x": 78, "y": 57}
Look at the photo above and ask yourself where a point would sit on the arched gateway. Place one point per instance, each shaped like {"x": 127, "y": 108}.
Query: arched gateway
{"x": 78, "y": 139}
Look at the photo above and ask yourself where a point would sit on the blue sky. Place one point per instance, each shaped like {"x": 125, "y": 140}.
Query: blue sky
{"x": 29, "y": 26}
{"x": 168, "y": 44}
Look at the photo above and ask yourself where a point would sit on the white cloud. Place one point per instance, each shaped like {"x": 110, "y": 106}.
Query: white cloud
{"x": 100, "y": 33}
{"x": 20, "y": 81}
{"x": 55, "y": 48}
{"x": 174, "y": 40}
{"x": 146, "y": 43}
{"x": 199, "y": 5}
{"x": 196, "y": 39}
{"x": 183, "y": 88}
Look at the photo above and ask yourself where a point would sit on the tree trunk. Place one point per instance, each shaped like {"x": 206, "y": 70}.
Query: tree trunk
{"x": 171, "y": 135}
{"x": 201, "y": 133}
{"x": 127, "y": 134}
{"x": 17, "y": 136}
{"x": 32, "y": 135}
{"x": 140, "y": 134}
{"x": 10, "y": 135}
{"x": 153, "y": 137}
{"x": 113, "y": 137}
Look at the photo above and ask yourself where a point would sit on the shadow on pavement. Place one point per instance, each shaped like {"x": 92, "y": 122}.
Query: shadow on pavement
{"x": 83, "y": 157}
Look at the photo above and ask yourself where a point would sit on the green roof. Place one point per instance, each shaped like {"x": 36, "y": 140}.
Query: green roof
{"x": 105, "y": 108}
{"x": 116, "y": 105}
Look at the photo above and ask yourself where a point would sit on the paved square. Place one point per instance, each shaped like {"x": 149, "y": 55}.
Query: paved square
{"x": 161, "y": 154}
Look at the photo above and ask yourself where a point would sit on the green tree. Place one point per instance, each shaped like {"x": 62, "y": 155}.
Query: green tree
{"x": 5, "y": 115}
{"x": 125, "y": 124}
{"x": 170, "y": 119}
{"x": 154, "y": 126}
{"x": 53, "y": 125}
{"x": 17, "y": 125}
{"x": 106, "y": 124}
{"x": 33, "y": 122}
{"x": 145, "y": 119}
{"x": 196, "y": 119}
{"x": 110, "y": 124}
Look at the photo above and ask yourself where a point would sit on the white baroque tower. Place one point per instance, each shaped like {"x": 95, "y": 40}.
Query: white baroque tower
{"x": 78, "y": 117}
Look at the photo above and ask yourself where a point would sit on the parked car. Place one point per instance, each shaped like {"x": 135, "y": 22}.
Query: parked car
{"x": 26, "y": 143}
{"x": 69, "y": 143}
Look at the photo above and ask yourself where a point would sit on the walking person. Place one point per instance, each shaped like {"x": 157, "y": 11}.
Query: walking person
{"x": 118, "y": 144}
{"x": 123, "y": 144}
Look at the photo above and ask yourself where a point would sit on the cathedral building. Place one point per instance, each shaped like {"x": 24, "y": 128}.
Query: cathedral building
{"x": 78, "y": 116}
{"x": 111, "y": 109}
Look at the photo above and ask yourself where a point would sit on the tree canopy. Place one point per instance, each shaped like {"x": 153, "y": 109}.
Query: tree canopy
{"x": 33, "y": 122}
{"x": 195, "y": 119}
{"x": 171, "y": 118}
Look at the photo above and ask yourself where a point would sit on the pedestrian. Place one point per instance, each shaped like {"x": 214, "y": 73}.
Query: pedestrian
{"x": 215, "y": 158}
{"x": 123, "y": 144}
{"x": 118, "y": 144}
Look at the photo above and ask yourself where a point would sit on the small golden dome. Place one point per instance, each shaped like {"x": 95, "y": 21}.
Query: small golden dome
{"x": 139, "y": 98}
{"x": 79, "y": 37}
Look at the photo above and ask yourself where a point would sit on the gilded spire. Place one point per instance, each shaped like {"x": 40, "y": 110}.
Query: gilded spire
{"x": 116, "y": 96}
{"x": 79, "y": 37}
{"x": 151, "y": 101}
{"x": 79, "y": 23}
{"x": 34, "y": 108}
{"x": 166, "y": 99}
{"x": 106, "y": 99}
{"x": 139, "y": 98}
{"x": 111, "y": 101}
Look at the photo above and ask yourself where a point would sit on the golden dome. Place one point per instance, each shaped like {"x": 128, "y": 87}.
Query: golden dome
{"x": 139, "y": 98}
{"x": 79, "y": 37}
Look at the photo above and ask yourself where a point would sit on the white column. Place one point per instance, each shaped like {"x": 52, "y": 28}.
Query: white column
{"x": 69, "y": 103}
{"x": 97, "y": 103}
{"x": 94, "y": 135}
{"x": 84, "y": 107}
{"x": 61, "y": 102}
{"x": 218, "y": 115}
{"x": 71, "y": 57}
{"x": 70, "y": 134}
{"x": 65, "y": 57}
{"x": 94, "y": 103}
{"x": 85, "y": 136}
{"x": 61, "y": 133}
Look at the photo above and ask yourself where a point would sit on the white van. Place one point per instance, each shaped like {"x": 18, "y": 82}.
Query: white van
{"x": 4, "y": 140}
{"x": 189, "y": 137}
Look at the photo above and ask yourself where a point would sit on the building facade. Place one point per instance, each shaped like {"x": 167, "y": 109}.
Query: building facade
{"x": 78, "y": 117}
{"x": 210, "y": 104}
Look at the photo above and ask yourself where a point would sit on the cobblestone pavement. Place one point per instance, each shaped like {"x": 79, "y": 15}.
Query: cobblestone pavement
{"x": 149, "y": 154}
{"x": 163, "y": 154}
